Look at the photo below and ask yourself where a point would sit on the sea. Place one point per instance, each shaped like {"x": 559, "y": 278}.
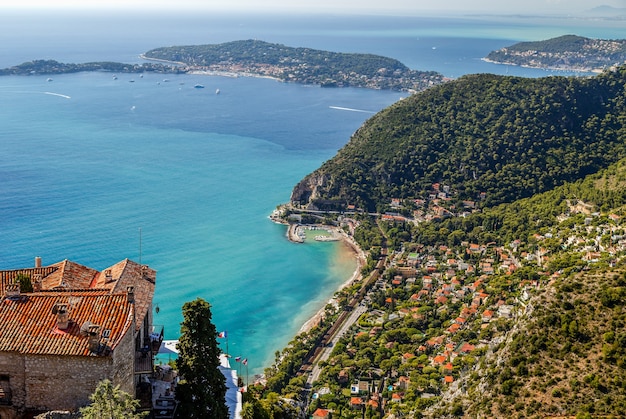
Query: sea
{"x": 96, "y": 168}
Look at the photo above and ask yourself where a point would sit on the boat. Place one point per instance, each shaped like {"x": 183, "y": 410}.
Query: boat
{"x": 199, "y": 86}
{"x": 217, "y": 92}
{"x": 49, "y": 79}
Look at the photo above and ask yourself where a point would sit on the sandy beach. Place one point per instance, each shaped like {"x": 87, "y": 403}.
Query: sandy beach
{"x": 356, "y": 276}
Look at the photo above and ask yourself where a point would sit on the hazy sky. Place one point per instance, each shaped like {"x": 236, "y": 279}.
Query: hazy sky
{"x": 330, "y": 6}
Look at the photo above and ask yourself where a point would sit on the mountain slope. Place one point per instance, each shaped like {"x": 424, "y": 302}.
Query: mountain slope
{"x": 568, "y": 52}
{"x": 508, "y": 137}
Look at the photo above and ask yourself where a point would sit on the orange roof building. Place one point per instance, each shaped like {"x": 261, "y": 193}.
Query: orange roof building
{"x": 76, "y": 327}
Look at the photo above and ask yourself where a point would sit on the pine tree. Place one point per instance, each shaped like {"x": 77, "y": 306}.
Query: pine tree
{"x": 202, "y": 389}
{"x": 109, "y": 402}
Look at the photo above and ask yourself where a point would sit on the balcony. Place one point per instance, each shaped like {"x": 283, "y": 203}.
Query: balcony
{"x": 144, "y": 356}
{"x": 155, "y": 338}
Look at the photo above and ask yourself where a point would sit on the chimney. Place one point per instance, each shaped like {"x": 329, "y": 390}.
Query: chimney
{"x": 12, "y": 291}
{"x": 93, "y": 340}
{"x": 37, "y": 261}
{"x": 130, "y": 291}
{"x": 108, "y": 276}
{"x": 37, "y": 282}
{"x": 63, "y": 315}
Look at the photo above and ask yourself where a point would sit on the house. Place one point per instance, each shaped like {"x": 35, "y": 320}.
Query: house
{"x": 487, "y": 316}
{"x": 356, "y": 403}
{"x": 396, "y": 397}
{"x": 321, "y": 414}
{"x": 439, "y": 360}
{"x": 76, "y": 327}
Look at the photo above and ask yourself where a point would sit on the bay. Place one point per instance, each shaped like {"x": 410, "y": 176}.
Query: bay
{"x": 96, "y": 169}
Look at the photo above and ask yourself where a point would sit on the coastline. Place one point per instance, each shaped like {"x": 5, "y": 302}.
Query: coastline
{"x": 546, "y": 68}
{"x": 355, "y": 277}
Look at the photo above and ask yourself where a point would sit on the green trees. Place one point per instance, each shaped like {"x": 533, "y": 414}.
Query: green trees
{"x": 25, "y": 283}
{"x": 303, "y": 65}
{"x": 202, "y": 389}
{"x": 509, "y": 137}
{"x": 109, "y": 402}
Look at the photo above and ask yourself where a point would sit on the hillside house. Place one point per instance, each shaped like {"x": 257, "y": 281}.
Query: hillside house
{"x": 77, "y": 327}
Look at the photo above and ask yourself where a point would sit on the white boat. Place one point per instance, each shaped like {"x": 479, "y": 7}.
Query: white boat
{"x": 217, "y": 92}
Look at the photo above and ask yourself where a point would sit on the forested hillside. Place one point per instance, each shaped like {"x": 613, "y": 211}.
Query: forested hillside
{"x": 496, "y": 137}
{"x": 515, "y": 311}
{"x": 569, "y": 52}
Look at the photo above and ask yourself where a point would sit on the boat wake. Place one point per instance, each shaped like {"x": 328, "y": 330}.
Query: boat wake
{"x": 57, "y": 94}
{"x": 350, "y": 109}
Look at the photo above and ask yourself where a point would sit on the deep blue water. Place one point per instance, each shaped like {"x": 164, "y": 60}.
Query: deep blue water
{"x": 90, "y": 164}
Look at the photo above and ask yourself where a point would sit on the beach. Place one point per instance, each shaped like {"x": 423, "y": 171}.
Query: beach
{"x": 360, "y": 257}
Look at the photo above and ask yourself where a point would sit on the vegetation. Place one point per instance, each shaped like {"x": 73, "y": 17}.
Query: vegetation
{"x": 54, "y": 67}
{"x": 109, "y": 402}
{"x": 303, "y": 65}
{"x": 491, "y": 138}
{"x": 564, "y": 52}
{"x": 511, "y": 305}
{"x": 202, "y": 389}
{"x": 25, "y": 283}
{"x": 538, "y": 335}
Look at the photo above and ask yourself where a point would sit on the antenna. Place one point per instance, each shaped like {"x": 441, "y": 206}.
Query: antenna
{"x": 139, "y": 246}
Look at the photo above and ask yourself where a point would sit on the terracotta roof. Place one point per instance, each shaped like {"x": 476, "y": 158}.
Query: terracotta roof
{"x": 320, "y": 413}
{"x": 128, "y": 273}
{"x": 29, "y": 326}
{"x": 8, "y": 277}
{"x": 68, "y": 275}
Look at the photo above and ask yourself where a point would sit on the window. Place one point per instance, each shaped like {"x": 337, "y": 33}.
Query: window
{"x": 5, "y": 390}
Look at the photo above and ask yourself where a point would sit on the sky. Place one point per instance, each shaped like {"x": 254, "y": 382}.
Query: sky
{"x": 534, "y": 7}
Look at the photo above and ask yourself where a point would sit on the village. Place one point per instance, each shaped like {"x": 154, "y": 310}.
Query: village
{"x": 449, "y": 305}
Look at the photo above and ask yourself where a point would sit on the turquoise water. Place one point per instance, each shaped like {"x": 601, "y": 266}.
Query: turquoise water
{"x": 89, "y": 164}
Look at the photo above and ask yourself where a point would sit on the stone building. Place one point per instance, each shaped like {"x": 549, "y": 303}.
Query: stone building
{"x": 74, "y": 328}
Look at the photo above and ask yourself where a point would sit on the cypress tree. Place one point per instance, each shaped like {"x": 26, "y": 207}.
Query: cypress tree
{"x": 202, "y": 389}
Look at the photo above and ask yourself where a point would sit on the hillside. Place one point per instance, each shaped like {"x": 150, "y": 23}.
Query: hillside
{"x": 568, "y": 52}
{"x": 301, "y": 65}
{"x": 524, "y": 322}
{"x": 513, "y": 311}
{"x": 488, "y": 137}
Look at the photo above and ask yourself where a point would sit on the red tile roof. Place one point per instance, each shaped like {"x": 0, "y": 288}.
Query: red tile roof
{"x": 29, "y": 326}
{"x": 68, "y": 275}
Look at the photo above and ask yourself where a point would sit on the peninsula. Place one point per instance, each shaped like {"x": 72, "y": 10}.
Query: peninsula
{"x": 259, "y": 59}
{"x": 49, "y": 67}
{"x": 568, "y": 52}
{"x": 300, "y": 65}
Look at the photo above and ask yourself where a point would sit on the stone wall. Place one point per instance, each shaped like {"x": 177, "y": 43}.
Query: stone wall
{"x": 63, "y": 382}
{"x": 12, "y": 365}
{"x": 123, "y": 372}
{"x": 52, "y": 382}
